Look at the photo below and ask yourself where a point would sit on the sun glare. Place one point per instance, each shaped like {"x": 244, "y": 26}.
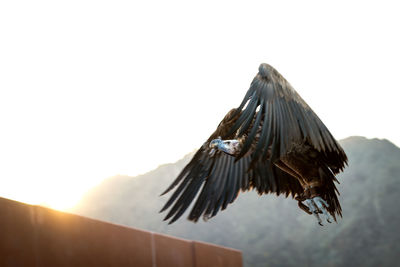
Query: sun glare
{"x": 46, "y": 191}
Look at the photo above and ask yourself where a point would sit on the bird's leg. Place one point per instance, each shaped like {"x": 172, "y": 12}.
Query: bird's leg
{"x": 316, "y": 204}
{"x": 301, "y": 197}
{"x": 231, "y": 147}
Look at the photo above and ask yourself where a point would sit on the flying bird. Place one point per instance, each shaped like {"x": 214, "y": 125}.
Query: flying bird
{"x": 273, "y": 143}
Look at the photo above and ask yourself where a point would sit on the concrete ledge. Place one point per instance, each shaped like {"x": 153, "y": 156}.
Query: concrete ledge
{"x": 37, "y": 236}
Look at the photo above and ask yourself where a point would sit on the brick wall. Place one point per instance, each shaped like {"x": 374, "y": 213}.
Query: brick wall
{"x": 37, "y": 236}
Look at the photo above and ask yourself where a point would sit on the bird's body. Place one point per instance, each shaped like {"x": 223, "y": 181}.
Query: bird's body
{"x": 272, "y": 142}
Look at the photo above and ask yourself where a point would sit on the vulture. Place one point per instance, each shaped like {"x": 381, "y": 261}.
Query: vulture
{"x": 272, "y": 142}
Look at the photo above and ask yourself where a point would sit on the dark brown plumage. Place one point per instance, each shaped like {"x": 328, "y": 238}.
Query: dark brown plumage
{"x": 284, "y": 149}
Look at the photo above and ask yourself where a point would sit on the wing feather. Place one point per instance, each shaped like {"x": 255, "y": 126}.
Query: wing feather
{"x": 253, "y": 132}
{"x": 270, "y": 118}
{"x": 287, "y": 119}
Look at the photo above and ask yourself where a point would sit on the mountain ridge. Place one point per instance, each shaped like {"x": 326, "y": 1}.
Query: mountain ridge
{"x": 254, "y": 222}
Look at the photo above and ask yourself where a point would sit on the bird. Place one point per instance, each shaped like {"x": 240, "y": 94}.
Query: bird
{"x": 273, "y": 142}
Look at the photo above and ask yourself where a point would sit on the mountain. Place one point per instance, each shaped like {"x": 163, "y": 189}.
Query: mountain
{"x": 271, "y": 230}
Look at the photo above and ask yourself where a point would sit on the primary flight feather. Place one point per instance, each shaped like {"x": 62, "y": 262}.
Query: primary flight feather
{"x": 272, "y": 142}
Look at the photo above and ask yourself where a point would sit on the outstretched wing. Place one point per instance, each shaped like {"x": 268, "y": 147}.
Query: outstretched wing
{"x": 219, "y": 178}
{"x": 287, "y": 119}
{"x": 271, "y": 117}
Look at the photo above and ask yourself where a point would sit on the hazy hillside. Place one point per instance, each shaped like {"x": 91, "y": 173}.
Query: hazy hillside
{"x": 271, "y": 230}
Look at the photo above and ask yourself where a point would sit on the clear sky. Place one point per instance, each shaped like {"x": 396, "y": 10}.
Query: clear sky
{"x": 90, "y": 89}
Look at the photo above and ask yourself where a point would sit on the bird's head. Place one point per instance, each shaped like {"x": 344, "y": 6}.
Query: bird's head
{"x": 215, "y": 142}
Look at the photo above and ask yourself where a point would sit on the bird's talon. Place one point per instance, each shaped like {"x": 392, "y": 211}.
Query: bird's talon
{"x": 304, "y": 207}
{"x": 317, "y": 206}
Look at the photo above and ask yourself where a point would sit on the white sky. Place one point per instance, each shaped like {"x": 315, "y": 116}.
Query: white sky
{"x": 90, "y": 89}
